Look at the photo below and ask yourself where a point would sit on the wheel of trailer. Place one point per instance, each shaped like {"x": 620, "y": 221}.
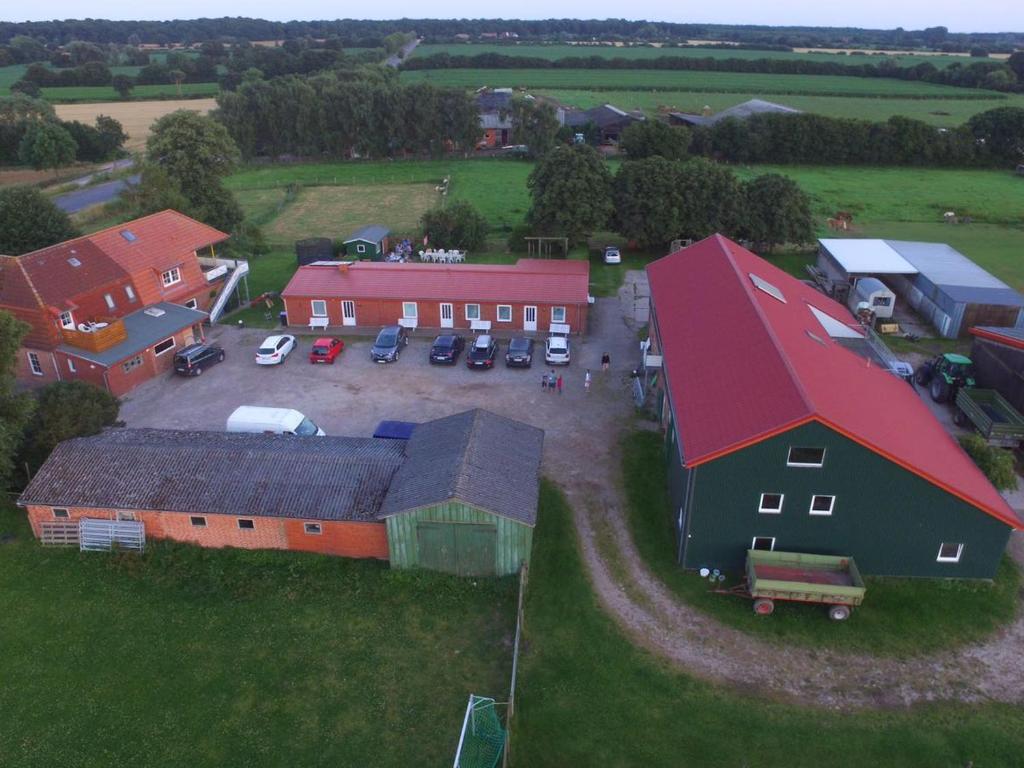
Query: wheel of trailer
{"x": 960, "y": 418}
{"x": 839, "y": 612}
{"x": 763, "y": 606}
{"x": 939, "y": 390}
{"x": 923, "y": 376}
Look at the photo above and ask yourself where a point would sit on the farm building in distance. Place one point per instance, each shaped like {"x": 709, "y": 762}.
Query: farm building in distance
{"x": 781, "y": 438}
{"x": 370, "y": 242}
{"x": 527, "y": 296}
{"x": 998, "y": 357}
{"x": 948, "y": 289}
{"x": 610, "y": 120}
{"x": 738, "y": 112}
{"x": 110, "y": 308}
{"x": 493, "y": 105}
{"x": 460, "y": 495}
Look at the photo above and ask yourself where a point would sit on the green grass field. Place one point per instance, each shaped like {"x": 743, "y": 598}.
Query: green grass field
{"x": 940, "y": 112}
{"x": 710, "y": 82}
{"x": 84, "y": 93}
{"x": 900, "y": 617}
{"x": 237, "y": 658}
{"x": 562, "y": 51}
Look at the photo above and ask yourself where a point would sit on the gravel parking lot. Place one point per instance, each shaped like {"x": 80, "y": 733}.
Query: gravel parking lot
{"x": 353, "y": 395}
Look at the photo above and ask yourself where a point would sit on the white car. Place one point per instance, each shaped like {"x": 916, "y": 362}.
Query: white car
{"x": 612, "y": 255}
{"x": 274, "y": 350}
{"x": 556, "y": 350}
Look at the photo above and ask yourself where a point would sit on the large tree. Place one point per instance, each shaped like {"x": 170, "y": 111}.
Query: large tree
{"x": 30, "y": 220}
{"x": 653, "y": 138}
{"x": 47, "y": 144}
{"x": 1002, "y": 131}
{"x": 775, "y": 211}
{"x": 712, "y": 194}
{"x": 571, "y": 191}
{"x": 15, "y": 408}
{"x": 534, "y": 124}
{"x": 649, "y": 202}
{"x": 456, "y": 225}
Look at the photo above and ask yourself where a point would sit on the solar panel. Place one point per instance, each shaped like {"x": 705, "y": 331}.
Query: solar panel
{"x": 74, "y": 262}
{"x": 767, "y": 287}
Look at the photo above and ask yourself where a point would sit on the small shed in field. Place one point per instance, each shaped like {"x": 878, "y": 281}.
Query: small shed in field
{"x": 465, "y": 500}
{"x": 370, "y": 242}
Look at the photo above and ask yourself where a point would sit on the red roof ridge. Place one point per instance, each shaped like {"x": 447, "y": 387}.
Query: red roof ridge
{"x": 28, "y": 280}
{"x": 994, "y": 335}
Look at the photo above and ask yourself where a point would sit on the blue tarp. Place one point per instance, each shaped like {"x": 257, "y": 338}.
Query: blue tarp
{"x": 395, "y": 430}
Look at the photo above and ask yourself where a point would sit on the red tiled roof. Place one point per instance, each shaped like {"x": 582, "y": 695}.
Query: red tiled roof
{"x": 529, "y": 280}
{"x": 15, "y": 288}
{"x": 742, "y": 366}
{"x": 57, "y": 279}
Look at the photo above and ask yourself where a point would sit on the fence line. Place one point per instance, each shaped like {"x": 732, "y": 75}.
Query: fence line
{"x": 524, "y": 574}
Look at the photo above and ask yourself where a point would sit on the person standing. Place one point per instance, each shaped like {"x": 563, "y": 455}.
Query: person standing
{"x": 552, "y": 380}
{"x": 606, "y": 361}
{"x": 586, "y": 381}
{"x": 559, "y": 383}
{"x": 544, "y": 381}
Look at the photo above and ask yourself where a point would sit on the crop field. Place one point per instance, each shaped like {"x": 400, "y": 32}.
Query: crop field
{"x": 83, "y": 93}
{"x": 562, "y": 51}
{"x": 939, "y": 111}
{"x": 710, "y": 82}
{"x": 135, "y": 116}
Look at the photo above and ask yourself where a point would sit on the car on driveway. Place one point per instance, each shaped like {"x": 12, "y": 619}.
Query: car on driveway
{"x": 325, "y": 350}
{"x": 274, "y": 350}
{"x": 482, "y": 353}
{"x": 556, "y": 350}
{"x": 389, "y": 344}
{"x": 195, "y": 358}
{"x": 520, "y": 352}
{"x": 612, "y": 255}
{"x": 446, "y": 349}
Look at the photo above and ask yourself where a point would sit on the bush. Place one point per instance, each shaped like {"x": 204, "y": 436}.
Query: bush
{"x": 996, "y": 463}
{"x": 458, "y": 225}
{"x": 517, "y": 238}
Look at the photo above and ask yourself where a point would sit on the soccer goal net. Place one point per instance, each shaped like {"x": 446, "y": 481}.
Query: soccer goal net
{"x": 482, "y": 740}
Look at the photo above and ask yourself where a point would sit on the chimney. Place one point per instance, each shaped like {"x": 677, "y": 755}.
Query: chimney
{"x": 343, "y": 267}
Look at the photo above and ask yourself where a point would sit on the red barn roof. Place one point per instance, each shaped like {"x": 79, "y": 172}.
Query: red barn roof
{"x": 747, "y": 355}
{"x": 528, "y": 280}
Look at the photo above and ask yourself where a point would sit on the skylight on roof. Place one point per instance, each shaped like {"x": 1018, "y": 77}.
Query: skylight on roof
{"x": 816, "y": 337}
{"x": 767, "y": 287}
{"x": 155, "y": 312}
{"x": 74, "y": 262}
{"x": 128, "y": 235}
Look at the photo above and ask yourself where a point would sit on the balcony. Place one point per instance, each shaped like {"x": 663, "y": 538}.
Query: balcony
{"x": 105, "y": 333}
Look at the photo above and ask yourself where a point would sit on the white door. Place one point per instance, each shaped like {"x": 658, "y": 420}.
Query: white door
{"x": 348, "y": 313}
{"x": 446, "y": 316}
{"x": 529, "y": 318}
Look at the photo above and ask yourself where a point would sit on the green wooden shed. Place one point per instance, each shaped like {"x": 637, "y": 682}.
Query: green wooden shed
{"x": 370, "y": 242}
{"x": 465, "y": 499}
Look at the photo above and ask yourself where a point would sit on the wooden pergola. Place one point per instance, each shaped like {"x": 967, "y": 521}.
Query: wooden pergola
{"x": 543, "y": 247}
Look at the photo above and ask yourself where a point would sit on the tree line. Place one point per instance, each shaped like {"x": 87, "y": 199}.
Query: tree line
{"x": 31, "y": 134}
{"x": 345, "y": 114}
{"x": 996, "y": 75}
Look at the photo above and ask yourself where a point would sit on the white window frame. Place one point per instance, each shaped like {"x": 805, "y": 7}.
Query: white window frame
{"x": 241, "y": 527}
{"x": 791, "y": 463}
{"x": 71, "y": 366}
{"x": 824, "y": 512}
{"x": 555, "y": 315}
{"x": 124, "y": 515}
{"x": 313, "y": 307}
{"x": 192, "y": 303}
{"x": 164, "y": 351}
{"x": 313, "y": 529}
{"x": 498, "y": 313}
{"x": 68, "y": 324}
{"x": 360, "y": 248}
{"x": 129, "y": 292}
{"x": 35, "y": 364}
{"x": 753, "y": 543}
{"x": 761, "y": 508}
{"x": 201, "y": 518}
{"x": 65, "y": 516}
{"x": 171, "y": 277}
{"x": 959, "y": 553}
{"x": 468, "y": 315}
{"x": 415, "y": 310}
{"x": 110, "y": 301}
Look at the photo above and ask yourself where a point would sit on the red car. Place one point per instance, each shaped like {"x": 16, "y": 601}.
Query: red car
{"x": 325, "y": 350}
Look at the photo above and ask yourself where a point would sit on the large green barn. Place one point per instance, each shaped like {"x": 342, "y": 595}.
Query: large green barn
{"x": 781, "y": 435}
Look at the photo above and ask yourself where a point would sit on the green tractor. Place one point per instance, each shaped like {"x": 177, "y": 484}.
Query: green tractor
{"x": 945, "y": 375}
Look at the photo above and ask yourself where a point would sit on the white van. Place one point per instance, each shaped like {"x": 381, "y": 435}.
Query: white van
{"x": 271, "y": 421}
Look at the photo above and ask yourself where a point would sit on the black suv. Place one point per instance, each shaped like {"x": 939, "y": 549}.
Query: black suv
{"x": 193, "y": 359}
{"x": 520, "y": 352}
{"x": 389, "y": 343}
{"x": 482, "y": 353}
{"x": 446, "y": 349}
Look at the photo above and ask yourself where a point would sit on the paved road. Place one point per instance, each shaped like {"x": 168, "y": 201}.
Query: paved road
{"x": 79, "y": 200}
{"x": 396, "y": 59}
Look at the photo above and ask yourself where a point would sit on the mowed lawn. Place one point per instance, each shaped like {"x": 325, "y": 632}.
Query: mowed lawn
{"x": 84, "y": 93}
{"x": 197, "y": 657}
{"x": 935, "y": 111}
{"x": 589, "y": 697}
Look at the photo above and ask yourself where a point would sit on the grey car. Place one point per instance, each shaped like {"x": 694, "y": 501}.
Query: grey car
{"x": 389, "y": 344}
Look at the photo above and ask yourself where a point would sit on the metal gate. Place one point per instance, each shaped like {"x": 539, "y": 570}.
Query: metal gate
{"x": 102, "y": 535}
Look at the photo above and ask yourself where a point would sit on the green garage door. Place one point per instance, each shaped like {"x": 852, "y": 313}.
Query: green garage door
{"x": 467, "y": 550}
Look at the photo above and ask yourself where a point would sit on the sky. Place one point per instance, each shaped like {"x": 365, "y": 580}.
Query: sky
{"x": 957, "y": 15}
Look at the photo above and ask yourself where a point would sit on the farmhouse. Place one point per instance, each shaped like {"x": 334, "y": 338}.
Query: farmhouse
{"x": 947, "y": 288}
{"x": 493, "y": 105}
{"x": 528, "y": 296}
{"x": 459, "y": 496}
{"x": 610, "y": 120}
{"x": 109, "y": 307}
{"x": 738, "y": 112}
{"x": 370, "y": 242}
{"x": 779, "y": 437}
{"x": 998, "y": 356}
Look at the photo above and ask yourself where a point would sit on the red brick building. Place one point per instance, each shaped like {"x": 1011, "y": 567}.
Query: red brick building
{"x": 84, "y": 296}
{"x": 527, "y": 296}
